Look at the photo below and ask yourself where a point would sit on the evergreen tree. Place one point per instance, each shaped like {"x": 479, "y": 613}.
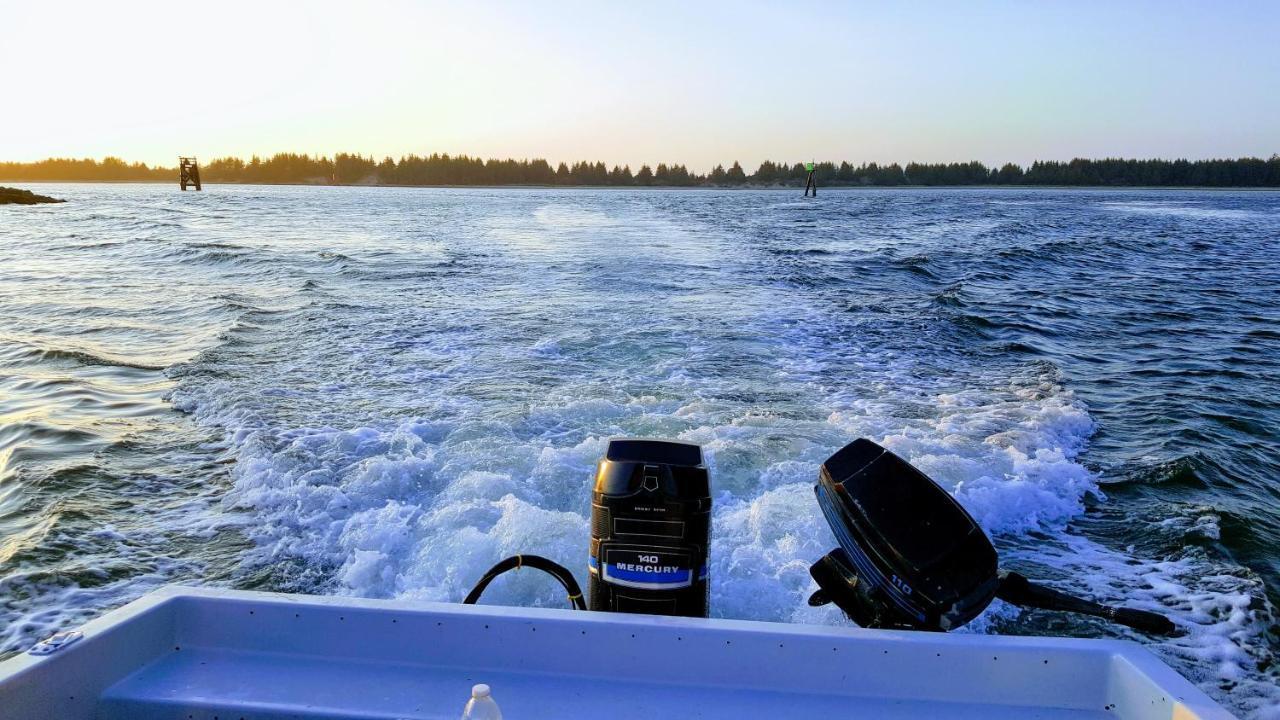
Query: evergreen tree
{"x": 1009, "y": 174}
{"x": 621, "y": 176}
{"x": 767, "y": 174}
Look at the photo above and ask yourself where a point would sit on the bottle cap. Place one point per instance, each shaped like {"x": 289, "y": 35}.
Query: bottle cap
{"x": 480, "y": 691}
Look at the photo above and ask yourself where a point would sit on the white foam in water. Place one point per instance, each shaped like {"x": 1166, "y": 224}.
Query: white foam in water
{"x": 1184, "y": 209}
{"x": 421, "y": 509}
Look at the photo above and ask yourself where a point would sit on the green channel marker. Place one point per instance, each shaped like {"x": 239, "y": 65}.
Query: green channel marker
{"x": 810, "y": 183}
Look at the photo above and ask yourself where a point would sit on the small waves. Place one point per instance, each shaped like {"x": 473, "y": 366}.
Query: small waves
{"x": 1186, "y": 470}
{"x": 104, "y": 490}
{"x": 87, "y": 358}
{"x": 130, "y": 222}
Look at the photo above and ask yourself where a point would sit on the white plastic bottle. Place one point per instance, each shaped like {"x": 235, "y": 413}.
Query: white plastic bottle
{"x": 481, "y": 705}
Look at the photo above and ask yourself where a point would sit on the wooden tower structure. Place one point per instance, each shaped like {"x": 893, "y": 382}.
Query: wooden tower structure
{"x": 189, "y": 172}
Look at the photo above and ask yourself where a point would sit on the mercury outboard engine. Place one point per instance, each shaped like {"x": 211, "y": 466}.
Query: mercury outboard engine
{"x": 911, "y": 557}
{"x": 650, "y": 528}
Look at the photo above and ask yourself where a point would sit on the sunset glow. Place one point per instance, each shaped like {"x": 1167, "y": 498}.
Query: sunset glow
{"x": 699, "y": 84}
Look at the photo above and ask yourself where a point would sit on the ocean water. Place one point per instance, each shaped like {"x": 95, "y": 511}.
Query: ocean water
{"x": 380, "y": 392}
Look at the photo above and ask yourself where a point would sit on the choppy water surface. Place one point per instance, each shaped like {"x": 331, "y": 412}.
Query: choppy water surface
{"x": 380, "y": 392}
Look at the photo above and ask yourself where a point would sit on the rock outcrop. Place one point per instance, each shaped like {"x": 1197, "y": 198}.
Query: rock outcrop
{"x": 14, "y": 196}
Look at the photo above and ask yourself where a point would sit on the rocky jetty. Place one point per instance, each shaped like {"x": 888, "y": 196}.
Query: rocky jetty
{"x": 14, "y": 196}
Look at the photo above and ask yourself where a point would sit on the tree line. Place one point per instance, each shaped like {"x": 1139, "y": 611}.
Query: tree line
{"x": 107, "y": 170}
{"x": 442, "y": 169}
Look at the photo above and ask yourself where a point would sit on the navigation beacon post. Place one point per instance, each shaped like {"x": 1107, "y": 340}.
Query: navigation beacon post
{"x": 811, "y": 183}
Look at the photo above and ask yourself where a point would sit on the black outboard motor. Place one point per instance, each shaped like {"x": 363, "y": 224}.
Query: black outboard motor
{"x": 650, "y": 528}
{"x": 909, "y": 553}
{"x": 911, "y": 557}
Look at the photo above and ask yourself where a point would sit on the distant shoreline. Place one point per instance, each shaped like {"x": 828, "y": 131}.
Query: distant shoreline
{"x": 735, "y": 188}
{"x": 442, "y": 170}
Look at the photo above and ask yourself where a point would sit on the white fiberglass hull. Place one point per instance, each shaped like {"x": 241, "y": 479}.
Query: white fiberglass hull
{"x": 204, "y": 653}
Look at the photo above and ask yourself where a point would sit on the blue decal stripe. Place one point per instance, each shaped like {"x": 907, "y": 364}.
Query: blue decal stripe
{"x": 679, "y": 576}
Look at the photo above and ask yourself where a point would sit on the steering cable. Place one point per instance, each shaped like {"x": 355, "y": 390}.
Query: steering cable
{"x": 537, "y": 562}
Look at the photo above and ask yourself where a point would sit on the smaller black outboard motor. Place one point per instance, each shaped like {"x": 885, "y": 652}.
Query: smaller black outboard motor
{"x": 650, "y": 527}
{"x": 911, "y": 557}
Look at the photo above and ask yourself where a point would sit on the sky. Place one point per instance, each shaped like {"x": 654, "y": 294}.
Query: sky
{"x": 698, "y": 83}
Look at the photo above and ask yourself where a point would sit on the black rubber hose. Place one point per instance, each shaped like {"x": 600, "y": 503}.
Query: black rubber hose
{"x": 538, "y": 563}
{"x": 1016, "y": 589}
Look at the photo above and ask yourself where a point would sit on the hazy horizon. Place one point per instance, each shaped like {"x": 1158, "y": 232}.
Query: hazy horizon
{"x": 702, "y": 85}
